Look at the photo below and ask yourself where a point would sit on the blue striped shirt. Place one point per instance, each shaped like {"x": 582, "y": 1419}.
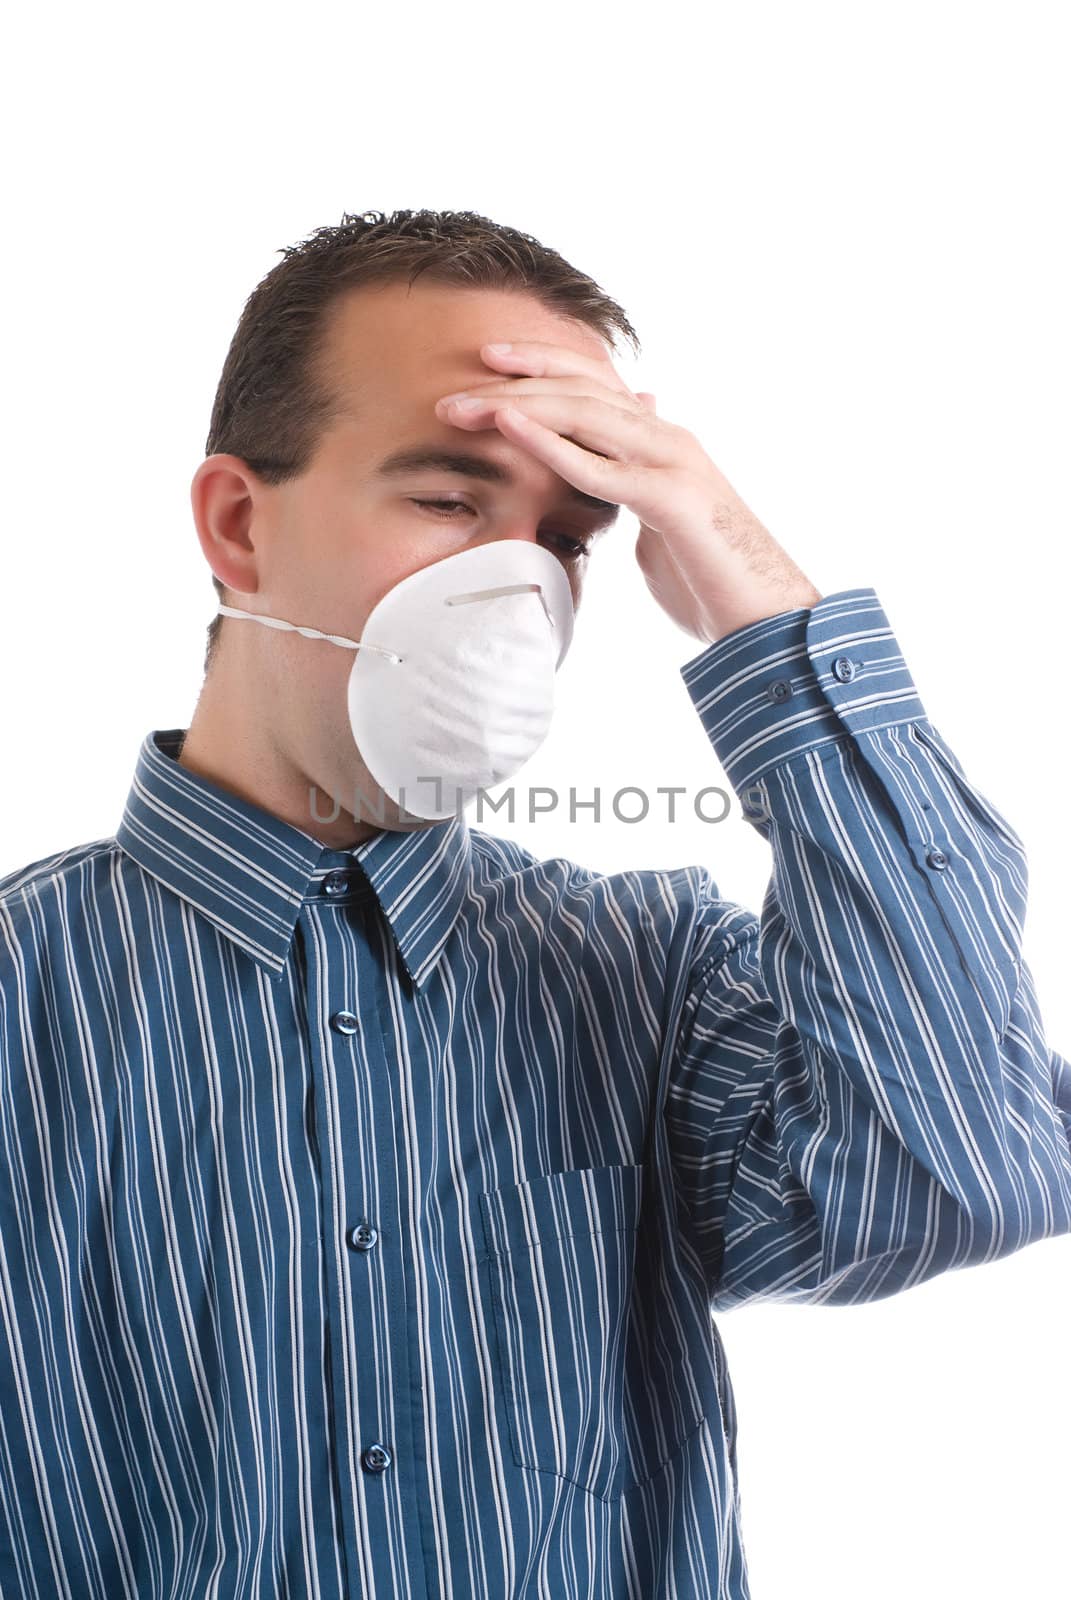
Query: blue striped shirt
{"x": 362, "y": 1212}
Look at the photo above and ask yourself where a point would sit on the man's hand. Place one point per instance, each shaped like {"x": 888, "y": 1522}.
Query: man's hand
{"x": 706, "y": 558}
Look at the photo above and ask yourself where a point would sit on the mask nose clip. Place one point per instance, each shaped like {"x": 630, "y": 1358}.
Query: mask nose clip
{"x": 506, "y": 588}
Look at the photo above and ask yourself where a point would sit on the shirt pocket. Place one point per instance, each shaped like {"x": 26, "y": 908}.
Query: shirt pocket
{"x": 562, "y": 1253}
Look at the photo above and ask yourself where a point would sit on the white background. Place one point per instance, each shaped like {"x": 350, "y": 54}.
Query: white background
{"x": 841, "y": 233}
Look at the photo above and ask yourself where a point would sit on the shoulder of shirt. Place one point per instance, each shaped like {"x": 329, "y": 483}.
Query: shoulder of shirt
{"x": 665, "y": 895}
{"x": 61, "y": 864}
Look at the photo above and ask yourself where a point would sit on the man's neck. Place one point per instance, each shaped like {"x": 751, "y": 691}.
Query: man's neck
{"x": 231, "y": 749}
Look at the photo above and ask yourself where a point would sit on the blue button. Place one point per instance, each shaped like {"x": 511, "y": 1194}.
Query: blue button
{"x": 344, "y": 1022}
{"x": 844, "y": 669}
{"x": 362, "y": 1236}
{"x": 779, "y": 689}
{"x": 937, "y": 860}
{"x": 336, "y": 883}
{"x": 376, "y": 1458}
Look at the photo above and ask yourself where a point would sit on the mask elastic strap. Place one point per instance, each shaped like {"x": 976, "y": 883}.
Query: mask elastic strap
{"x": 309, "y": 633}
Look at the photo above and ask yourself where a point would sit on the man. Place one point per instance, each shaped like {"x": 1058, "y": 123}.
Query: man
{"x": 367, "y": 1186}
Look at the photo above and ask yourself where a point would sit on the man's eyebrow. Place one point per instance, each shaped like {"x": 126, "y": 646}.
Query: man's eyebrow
{"x": 434, "y": 458}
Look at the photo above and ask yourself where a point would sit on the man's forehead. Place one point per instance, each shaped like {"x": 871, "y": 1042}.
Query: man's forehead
{"x": 424, "y": 340}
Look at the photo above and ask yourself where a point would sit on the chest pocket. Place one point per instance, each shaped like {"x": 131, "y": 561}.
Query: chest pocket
{"x": 562, "y": 1258}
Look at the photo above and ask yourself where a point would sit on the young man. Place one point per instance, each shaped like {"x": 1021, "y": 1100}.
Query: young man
{"x": 367, "y": 1182}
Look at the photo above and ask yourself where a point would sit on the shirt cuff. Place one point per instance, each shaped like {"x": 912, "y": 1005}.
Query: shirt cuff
{"x": 794, "y": 682}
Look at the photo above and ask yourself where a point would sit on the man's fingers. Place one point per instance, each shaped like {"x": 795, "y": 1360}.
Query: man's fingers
{"x": 536, "y": 360}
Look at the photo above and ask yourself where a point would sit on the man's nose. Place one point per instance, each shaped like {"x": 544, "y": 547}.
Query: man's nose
{"x": 524, "y": 533}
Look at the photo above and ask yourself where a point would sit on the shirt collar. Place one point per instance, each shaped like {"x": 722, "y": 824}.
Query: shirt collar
{"x": 249, "y": 872}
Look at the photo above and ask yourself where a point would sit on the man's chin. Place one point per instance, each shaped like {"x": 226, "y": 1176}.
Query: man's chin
{"x": 376, "y": 809}
{"x": 363, "y": 800}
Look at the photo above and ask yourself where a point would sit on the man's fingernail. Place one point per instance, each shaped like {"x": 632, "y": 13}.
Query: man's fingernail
{"x": 500, "y": 349}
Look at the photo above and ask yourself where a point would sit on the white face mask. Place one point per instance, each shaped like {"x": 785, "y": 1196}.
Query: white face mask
{"x": 452, "y": 688}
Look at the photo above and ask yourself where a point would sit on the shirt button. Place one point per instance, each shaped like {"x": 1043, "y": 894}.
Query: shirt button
{"x": 362, "y": 1236}
{"x": 376, "y": 1458}
{"x": 937, "y": 859}
{"x": 780, "y": 689}
{"x": 336, "y": 882}
{"x": 344, "y": 1022}
{"x": 844, "y": 669}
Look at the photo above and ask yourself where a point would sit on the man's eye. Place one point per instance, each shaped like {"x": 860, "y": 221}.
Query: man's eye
{"x": 575, "y": 547}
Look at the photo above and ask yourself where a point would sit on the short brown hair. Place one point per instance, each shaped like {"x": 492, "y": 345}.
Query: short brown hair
{"x": 271, "y": 407}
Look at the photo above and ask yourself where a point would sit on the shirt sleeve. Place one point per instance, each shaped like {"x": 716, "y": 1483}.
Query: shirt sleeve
{"x": 861, "y": 1094}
